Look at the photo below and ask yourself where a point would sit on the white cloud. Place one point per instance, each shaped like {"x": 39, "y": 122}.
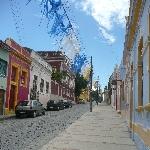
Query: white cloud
{"x": 110, "y": 38}
{"x": 106, "y": 13}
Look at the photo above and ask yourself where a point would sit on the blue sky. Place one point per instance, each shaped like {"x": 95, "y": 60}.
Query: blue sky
{"x": 100, "y": 27}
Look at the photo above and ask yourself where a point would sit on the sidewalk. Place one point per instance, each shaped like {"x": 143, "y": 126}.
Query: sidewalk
{"x": 4, "y": 117}
{"x": 103, "y": 129}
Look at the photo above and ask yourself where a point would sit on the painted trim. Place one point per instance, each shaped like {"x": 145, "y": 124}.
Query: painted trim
{"x": 26, "y": 78}
{"x": 21, "y": 56}
{"x": 143, "y": 133}
{"x": 139, "y": 109}
{"x": 14, "y": 83}
{"x": 134, "y": 24}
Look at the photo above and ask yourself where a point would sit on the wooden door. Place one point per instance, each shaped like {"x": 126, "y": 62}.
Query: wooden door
{"x": 2, "y": 92}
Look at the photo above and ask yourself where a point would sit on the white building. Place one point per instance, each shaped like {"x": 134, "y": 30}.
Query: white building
{"x": 40, "y": 79}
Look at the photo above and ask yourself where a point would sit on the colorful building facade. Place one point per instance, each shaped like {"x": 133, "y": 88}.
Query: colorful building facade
{"x": 18, "y": 75}
{"x": 136, "y": 78}
{"x": 40, "y": 79}
{"x": 141, "y": 74}
{"x": 4, "y": 61}
{"x": 64, "y": 89}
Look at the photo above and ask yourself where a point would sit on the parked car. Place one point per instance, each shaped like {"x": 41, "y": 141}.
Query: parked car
{"x": 29, "y": 108}
{"x": 55, "y": 105}
{"x": 67, "y": 104}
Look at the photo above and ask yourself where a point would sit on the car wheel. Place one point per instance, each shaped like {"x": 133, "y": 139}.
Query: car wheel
{"x": 17, "y": 116}
{"x": 43, "y": 113}
{"x": 34, "y": 114}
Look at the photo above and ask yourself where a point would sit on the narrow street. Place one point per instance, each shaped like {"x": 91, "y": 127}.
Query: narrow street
{"x": 65, "y": 55}
{"x": 33, "y": 133}
{"x": 103, "y": 129}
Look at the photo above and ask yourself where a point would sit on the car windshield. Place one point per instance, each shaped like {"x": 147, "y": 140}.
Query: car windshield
{"x": 24, "y": 103}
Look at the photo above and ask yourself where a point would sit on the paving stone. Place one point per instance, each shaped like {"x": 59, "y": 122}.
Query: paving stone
{"x": 94, "y": 131}
{"x": 33, "y": 133}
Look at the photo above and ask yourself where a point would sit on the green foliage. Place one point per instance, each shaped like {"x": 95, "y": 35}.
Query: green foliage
{"x": 96, "y": 97}
{"x": 59, "y": 75}
{"x": 80, "y": 84}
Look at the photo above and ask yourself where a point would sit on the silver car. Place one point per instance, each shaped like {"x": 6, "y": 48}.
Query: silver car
{"x": 29, "y": 108}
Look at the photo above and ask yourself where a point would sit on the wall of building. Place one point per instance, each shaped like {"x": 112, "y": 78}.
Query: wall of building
{"x": 4, "y": 61}
{"x": 141, "y": 117}
{"x": 59, "y": 62}
{"x": 41, "y": 69}
{"x": 136, "y": 78}
{"x": 4, "y": 57}
{"x": 19, "y": 58}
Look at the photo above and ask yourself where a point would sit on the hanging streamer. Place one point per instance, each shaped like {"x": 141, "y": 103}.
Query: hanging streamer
{"x": 79, "y": 61}
{"x": 60, "y": 27}
{"x": 16, "y": 15}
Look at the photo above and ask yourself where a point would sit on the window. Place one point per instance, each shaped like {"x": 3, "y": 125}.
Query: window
{"x": 24, "y": 103}
{"x": 42, "y": 85}
{"x": 140, "y": 73}
{"x": 3, "y": 68}
{"x": 14, "y": 74}
{"x": 35, "y": 83}
{"x": 24, "y": 78}
{"x": 47, "y": 87}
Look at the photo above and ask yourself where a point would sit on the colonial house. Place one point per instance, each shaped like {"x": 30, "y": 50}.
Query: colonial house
{"x": 136, "y": 59}
{"x": 18, "y": 75}
{"x": 40, "y": 79}
{"x": 140, "y": 47}
{"x": 4, "y": 61}
{"x": 62, "y": 88}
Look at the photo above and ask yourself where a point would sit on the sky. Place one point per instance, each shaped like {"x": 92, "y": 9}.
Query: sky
{"x": 98, "y": 24}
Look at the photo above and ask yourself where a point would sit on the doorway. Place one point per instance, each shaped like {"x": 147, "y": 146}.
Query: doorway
{"x": 13, "y": 98}
{"x": 2, "y": 92}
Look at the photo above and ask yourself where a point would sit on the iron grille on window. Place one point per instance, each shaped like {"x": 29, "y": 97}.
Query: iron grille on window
{"x": 42, "y": 85}
{"x": 3, "y": 68}
{"x": 47, "y": 87}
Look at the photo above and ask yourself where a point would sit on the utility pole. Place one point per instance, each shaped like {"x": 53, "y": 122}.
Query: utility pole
{"x": 98, "y": 88}
{"x": 91, "y": 76}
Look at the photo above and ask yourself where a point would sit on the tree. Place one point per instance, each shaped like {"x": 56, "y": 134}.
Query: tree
{"x": 80, "y": 84}
{"x": 58, "y": 75}
{"x": 96, "y": 97}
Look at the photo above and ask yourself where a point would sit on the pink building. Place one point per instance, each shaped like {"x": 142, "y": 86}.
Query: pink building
{"x": 18, "y": 75}
{"x": 64, "y": 89}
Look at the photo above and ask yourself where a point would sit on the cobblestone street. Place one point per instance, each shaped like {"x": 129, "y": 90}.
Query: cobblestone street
{"x": 33, "y": 133}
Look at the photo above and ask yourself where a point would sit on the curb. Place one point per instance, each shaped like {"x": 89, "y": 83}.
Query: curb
{"x": 7, "y": 117}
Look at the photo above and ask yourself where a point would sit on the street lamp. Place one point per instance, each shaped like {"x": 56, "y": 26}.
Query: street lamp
{"x": 97, "y": 89}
